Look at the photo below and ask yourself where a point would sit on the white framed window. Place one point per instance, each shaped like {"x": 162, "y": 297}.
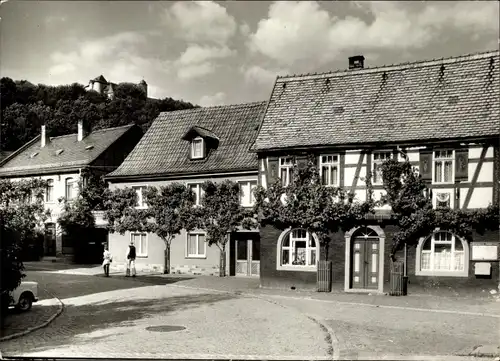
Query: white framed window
{"x": 443, "y": 253}
{"x": 286, "y": 170}
{"x": 443, "y": 169}
{"x": 141, "y": 202}
{"x": 49, "y": 191}
{"x": 378, "y": 158}
{"x": 247, "y": 188}
{"x": 197, "y": 148}
{"x": 140, "y": 241}
{"x": 197, "y": 189}
{"x": 70, "y": 193}
{"x": 196, "y": 246}
{"x": 329, "y": 169}
{"x": 297, "y": 250}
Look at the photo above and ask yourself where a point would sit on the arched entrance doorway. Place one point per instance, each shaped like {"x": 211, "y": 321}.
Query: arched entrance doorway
{"x": 364, "y": 259}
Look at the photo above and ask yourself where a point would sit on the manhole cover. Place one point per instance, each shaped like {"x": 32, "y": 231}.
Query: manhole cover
{"x": 165, "y": 328}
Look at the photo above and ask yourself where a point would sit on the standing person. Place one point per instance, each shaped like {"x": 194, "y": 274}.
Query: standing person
{"x": 108, "y": 258}
{"x": 131, "y": 259}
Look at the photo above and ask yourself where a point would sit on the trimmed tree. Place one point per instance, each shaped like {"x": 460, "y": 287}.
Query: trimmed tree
{"x": 77, "y": 218}
{"x": 412, "y": 209}
{"x": 309, "y": 204}
{"x": 22, "y": 217}
{"x": 221, "y": 214}
{"x": 169, "y": 211}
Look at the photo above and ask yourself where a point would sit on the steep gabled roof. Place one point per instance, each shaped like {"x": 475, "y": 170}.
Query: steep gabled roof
{"x": 441, "y": 99}
{"x": 163, "y": 152}
{"x": 32, "y": 159}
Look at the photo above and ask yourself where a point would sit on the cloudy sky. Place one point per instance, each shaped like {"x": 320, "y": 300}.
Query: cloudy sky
{"x": 229, "y": 51}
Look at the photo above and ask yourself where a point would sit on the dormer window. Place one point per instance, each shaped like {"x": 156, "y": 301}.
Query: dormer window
{"x": 197, "y": 148}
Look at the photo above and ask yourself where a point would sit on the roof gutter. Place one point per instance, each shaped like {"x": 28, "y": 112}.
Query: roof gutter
{"x": 170, "y": 176}
{"x": 349, "y": 146}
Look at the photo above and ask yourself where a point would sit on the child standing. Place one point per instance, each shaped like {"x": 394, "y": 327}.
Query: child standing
{"x": 108, "y": 258}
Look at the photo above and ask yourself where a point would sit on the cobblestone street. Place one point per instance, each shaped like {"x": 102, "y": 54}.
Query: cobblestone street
{"x": 232, "y": 317}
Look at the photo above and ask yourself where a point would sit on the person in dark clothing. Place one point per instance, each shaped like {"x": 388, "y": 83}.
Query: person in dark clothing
{"x": 131, "y": 253}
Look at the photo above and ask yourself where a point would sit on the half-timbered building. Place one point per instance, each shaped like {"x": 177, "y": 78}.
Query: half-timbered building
{"x": 441, "y": 114}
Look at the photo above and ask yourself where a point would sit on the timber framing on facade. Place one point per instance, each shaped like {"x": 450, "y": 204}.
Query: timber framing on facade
{"x": 441, "y": 115}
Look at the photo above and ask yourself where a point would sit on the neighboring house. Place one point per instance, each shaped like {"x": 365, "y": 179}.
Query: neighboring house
{"x": 192, "y": 146}
{"x": 444, "y": 114}
{"x": 104, "y": 87}
{"x": 60, "y": 160}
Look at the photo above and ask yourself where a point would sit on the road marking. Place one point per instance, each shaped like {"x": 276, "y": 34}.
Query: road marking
{"x": 350, "y": 303}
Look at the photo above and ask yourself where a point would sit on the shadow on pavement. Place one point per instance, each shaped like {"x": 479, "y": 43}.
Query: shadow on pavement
{"x": 77, "y": 322}
{"x": 68, "y": 286}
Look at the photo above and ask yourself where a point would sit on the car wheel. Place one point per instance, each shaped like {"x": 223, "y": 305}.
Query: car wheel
{"x": 25, "y": 302}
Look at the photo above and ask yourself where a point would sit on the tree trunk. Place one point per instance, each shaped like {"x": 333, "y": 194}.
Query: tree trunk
{"x": 167, "y": 258}
{"x": 222, "y": 264}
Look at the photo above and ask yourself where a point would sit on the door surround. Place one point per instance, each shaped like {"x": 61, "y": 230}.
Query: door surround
{"x": 348, "y": 263}
{"x": 251, "y": 264}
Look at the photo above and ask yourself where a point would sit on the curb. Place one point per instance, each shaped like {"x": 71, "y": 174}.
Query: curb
{"x": 334, "y": 347}
{"x": 44, "y": 324}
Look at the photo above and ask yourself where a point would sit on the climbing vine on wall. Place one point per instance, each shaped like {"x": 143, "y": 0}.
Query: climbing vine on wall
{"x": 412, "y": 210}
{"x": 307, "y": 203}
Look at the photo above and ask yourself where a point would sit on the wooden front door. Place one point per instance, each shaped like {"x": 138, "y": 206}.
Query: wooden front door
{"x": 365, "y": 262}
{"x": 247, "y": 257}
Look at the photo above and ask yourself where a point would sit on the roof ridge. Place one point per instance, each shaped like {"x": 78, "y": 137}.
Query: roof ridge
{"x": 94, "y": 131}
{"x": 217, "y": 106}
{"x": 397, "y": 66}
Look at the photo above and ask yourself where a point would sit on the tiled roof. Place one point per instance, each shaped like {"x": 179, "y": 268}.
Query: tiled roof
{"x": 33, "y": 159}
{"x": 440, "y": 99}
{"x": 162, "y": 151}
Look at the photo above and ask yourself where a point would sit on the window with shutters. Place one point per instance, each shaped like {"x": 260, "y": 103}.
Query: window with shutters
{"x": 379, "y": 157}
{"x": 329, "y": 169}
{"x": 286, "y": 170}
{"x": 196, "y": 245}
{"x": 443, "y": 253}
{"x": 443, "y": 170}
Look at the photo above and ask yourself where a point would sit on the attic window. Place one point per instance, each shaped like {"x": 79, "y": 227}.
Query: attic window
{"x": 33, "y": 155}
{"x": 89, "y": 147}
{"x": 59, "y": 151}
{"x": 197, "y": 148}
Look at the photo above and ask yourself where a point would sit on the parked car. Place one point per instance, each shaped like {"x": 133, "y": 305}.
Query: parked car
{"x": 25, "y": 295}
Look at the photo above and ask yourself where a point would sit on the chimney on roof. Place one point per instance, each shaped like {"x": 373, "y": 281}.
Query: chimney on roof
{"x": 356, "y": 62}
{"x": 83, "y": 129}
{"x": 45, "y": 137}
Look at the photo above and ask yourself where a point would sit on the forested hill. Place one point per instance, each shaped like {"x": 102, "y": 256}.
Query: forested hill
{"x": 25, "y": 107}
